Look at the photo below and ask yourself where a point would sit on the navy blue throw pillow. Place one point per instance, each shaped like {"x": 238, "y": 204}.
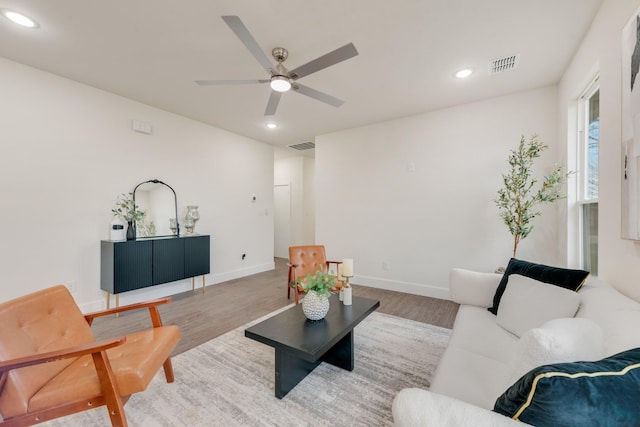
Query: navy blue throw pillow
{"x": 563, "y": 277}
{"x": 604, "y": 393}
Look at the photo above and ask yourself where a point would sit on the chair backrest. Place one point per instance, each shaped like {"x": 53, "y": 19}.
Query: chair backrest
{"x": 307, "y": 260}
{"x": 44, "y": 321}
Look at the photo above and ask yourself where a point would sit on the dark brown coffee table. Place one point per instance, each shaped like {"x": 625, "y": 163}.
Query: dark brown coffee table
{"x": 301, "y": 345}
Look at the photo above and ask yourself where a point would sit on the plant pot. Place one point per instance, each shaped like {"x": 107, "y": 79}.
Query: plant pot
{"x": 315, "y": 306}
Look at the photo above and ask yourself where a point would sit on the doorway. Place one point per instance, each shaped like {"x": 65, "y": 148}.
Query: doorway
{"x": 282, "y": 220}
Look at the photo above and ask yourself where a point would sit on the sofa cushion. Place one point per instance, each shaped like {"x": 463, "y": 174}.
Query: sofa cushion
{"x": 557, "y": 341}
{"x": 565, "y": 278}
{"x": 473, "y": 288}
{"x": 475, "y": 365}
{"x": 528, "y": 303}
{"x": 602, "y": 393}
{"x": 617, "y": 315}
{"x": 414, "y": 407}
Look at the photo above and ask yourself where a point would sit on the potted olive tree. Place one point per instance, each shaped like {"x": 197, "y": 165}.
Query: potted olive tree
{"x": 519, "y": 199}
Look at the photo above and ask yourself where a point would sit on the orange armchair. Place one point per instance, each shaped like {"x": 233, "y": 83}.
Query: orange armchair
{"x": 305, "y": 260}
{"x": 51, "y": 364}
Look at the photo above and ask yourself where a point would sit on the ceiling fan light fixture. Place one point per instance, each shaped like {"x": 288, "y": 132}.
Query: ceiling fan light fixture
{"x": 280, "y": 83}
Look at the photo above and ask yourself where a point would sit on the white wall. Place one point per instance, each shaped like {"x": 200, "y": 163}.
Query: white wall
{"x": 68, "y": 150}
{"x": 619, "y": 260}
{"x": 298, "y": 172}
{"x": 417, "y": 193}
{"x": 309, "y": 202}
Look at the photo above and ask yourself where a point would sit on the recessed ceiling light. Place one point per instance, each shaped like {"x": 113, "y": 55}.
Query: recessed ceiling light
{"x": 463, "y": 74}
{"x": 19, "y": 18}
{"x": 272, "y": 125}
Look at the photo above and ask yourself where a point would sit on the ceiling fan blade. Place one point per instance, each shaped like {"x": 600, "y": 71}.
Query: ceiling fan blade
{"x": 341, "y": 54}
{"x": 228, "y": 82}
{"x": 247, "y": 39}
{"x": 272, "y": 105}
{"x": 316, "y": 94}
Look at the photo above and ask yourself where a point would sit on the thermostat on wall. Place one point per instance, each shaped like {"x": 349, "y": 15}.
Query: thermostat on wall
{"x": 142, "y": 127}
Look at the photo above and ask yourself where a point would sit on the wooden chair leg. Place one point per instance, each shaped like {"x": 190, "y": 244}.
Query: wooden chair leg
{"x": 114, "y": 403}
{"x": 168, "y": 370}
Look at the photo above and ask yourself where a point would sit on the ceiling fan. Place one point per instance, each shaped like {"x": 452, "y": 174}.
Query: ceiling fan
{"x": 280, "y": 79}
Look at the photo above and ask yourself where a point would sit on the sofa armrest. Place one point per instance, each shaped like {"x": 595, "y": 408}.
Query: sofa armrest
{"x": 414, "y": 407}
{"x": 151, "y": 305}
{"x": 473, "y": 288}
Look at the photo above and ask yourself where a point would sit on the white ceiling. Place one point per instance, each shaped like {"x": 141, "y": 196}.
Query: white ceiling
{"x": 153, "y": 50}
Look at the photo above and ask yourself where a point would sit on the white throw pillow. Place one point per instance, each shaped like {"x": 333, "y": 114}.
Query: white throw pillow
{"x": 473, "y": 288}
{"x": 558, "y": 341}
{"x": 528, "y": 303}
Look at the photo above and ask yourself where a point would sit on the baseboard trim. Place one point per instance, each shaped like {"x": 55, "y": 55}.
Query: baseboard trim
{"x": 236, "y": 274}
{"x": 173, "y": 288}
{"x": 406, "y": 287}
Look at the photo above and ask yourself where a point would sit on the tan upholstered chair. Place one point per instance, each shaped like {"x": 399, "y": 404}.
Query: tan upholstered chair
{"x": 305, "y": 260}
{"x": 51, "y": 364}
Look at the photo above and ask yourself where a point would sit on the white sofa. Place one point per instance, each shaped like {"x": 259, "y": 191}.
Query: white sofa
{"x": 483, "y": 359}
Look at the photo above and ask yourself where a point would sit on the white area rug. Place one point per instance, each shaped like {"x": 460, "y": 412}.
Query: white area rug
{"x": 228, "y": 381}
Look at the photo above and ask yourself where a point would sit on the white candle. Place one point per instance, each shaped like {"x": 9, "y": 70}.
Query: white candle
{"x": 347, "y": 267}
{"x": 347, "y": 296}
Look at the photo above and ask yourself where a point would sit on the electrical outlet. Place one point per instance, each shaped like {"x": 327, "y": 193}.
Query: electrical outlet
{"x": 386, "y": 266}
{"x": 71, "y": 285}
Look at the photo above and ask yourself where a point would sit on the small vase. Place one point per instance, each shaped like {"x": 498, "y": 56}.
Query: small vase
{"x": 347, "y": 299}
{"x": 193, "y": 215}
{"x": 131, "y": 230}
{"x": 315, "y": 306}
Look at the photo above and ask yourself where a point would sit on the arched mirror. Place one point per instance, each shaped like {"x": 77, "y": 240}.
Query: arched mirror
{"x": 160, "y": 203}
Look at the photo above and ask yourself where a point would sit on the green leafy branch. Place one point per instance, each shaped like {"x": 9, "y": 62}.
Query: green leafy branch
{"x": 319, "y": 282}
{"x": 126, "y": 209}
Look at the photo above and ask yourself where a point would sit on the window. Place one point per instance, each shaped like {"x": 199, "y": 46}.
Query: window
{"x": 589, "y": 142}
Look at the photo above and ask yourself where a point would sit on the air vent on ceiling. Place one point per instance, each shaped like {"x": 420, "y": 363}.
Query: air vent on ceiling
{"x": 303, "y": 146}
{"x": 506, "y": 63}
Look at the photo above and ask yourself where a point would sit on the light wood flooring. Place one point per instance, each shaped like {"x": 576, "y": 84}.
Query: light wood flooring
{"x": 225, "y": 306}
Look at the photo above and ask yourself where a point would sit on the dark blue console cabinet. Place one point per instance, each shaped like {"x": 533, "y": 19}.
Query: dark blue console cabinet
{"x": 135, "y": 264}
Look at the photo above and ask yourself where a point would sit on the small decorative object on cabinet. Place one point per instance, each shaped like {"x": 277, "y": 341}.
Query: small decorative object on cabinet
{"x": 131, "y": 230}
{"x": 172, "y": 225}
{"x": 193, "y": 214}
{"x": 127, "y": 210}
{"x": 315, "y": 304}
{"x": 117, "y": 230}
{"x": 189, "y": 225}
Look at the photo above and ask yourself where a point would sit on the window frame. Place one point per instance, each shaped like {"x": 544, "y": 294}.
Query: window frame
{"x": 582, "y": 151}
